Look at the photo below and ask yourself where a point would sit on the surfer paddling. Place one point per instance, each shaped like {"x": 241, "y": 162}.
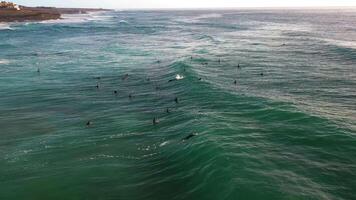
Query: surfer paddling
{"x": 155, "y": 121}
{"x": 189, "y": 136}
{"x": 177, "y": 78}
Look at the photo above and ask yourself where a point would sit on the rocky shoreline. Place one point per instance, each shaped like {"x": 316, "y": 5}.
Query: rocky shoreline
{"x": 40, "y": 13}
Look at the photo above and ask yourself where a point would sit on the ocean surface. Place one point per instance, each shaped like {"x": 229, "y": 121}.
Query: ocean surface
{"x": 266, "y": 108}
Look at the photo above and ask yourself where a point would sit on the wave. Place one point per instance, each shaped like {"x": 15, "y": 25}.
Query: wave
{"x": 123, "y": 22}
{"x": 198, "y": 18}
{"x": 208, "y": 16}
{"x": 283, "y": 27}
{"x": 341, "y": 43}
{"x": 80, "y": 18}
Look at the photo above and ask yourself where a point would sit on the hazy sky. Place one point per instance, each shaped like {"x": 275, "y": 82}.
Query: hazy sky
{"x": 186, "y": 3}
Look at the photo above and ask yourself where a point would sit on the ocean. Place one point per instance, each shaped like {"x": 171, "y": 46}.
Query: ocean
{"x": 264, "y": 106}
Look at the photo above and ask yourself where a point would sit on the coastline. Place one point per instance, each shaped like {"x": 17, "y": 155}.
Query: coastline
{"x": 41, "y": 13}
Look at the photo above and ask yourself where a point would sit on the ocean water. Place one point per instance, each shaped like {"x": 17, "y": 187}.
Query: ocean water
{"x": 285, "y": 130}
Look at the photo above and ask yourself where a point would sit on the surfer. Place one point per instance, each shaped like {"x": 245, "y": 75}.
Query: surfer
{"x": 235, "y": 82}
{"x": 38, "y": 70}
{"x": 167, "y": 110}
{"x": 125, "y": 77}
{"x": 89, "y": 123}
{"x": 176, "y": 99}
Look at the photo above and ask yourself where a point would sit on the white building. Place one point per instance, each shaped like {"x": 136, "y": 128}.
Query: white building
{"x": 9, "y": 5}
{"x": 17, "y": 7}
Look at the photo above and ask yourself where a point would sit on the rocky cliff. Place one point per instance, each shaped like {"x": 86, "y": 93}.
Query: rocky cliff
{"x": 39, "y": 13}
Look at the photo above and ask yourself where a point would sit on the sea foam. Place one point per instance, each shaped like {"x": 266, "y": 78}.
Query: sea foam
{"x": 4, "y": 62}
{"x": 5, "y": 26}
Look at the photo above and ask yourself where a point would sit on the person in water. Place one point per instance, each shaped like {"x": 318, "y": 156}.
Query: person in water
{"x": 167, "y": 110}
{"x": 262, "y": 74}
{"x": 89, "y": 123}
{"x": 97, "y": 86}
{"x": 115, "y": 91}
{"x": 235, "y": 82}
{"x": 176, "y": 100}
{"x": 125, "y": 77}
{"x": 189, "y": 136}
{"x": 38, "y": 70}
{"x": 155, "y": 121}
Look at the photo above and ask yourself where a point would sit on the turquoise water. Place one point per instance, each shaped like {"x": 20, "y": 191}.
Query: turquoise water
{"x": 289, "y": 134}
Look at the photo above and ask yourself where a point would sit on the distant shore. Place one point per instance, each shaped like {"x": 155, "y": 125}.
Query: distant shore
{"x": 40, "y": 13}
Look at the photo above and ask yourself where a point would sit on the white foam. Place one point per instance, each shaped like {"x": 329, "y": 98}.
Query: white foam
{"x": 5, "y": 26}
{"x": 76, "y": 18}
{"x": 4, "y": 62}
{"x": 164, "y": 143}
{"x": 179, "y": 77}
{"x": 286, "y": 27}
{"x": 79, "y": 18}
{"x": 342, "y": 43}
{"x": 208, "y": 16}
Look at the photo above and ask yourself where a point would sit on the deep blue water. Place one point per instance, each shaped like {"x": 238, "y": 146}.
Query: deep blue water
{"x": 285, "y": 130}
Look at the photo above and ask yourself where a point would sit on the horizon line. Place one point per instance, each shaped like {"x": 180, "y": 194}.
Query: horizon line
{"x": 208, "y": 8}
{"x": 235, "y": 8}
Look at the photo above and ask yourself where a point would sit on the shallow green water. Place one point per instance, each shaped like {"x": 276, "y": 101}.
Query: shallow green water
{"x": 289, "y": 134}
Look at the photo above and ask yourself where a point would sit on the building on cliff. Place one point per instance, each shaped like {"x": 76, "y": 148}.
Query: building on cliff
{"x": 9, "y": 6}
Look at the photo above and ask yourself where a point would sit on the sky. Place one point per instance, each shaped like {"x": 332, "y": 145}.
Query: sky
{"x": 132, "y": 4}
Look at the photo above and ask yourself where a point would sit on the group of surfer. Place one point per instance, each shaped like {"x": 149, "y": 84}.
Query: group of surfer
{"x": 178, "y": 77}
{"x": 155, "y": 120}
